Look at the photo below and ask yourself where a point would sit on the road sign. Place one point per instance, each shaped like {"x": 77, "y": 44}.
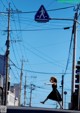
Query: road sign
{"x": 42, "y": 15}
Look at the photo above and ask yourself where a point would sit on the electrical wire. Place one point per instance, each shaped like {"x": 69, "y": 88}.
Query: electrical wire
{"x": 41, "y": 57}
{"x": 69, "y": 52}
{"x": 13, "y": 4}
{"x": 3, "y": 3}
{"x": 18, "y": 38}
{"x": 14, "y": 75}
{"x": 21, "y": 12}
{"x": 29, "y": 12}
{"x": 14, "y": 53}
{"x": 36, "y": 71}
{"x": 61, "y": 8}
{"x": 34, "y": 29}
{"x": 47, "y": 57}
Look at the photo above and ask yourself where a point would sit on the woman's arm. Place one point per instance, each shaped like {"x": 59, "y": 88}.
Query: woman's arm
{"x": 50, "y": 83}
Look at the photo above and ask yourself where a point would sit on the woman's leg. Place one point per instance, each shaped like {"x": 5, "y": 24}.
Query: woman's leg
{"x": 60, "y": 105}
{"x": 44, "y": 101}
{"x": 59, "y": 99}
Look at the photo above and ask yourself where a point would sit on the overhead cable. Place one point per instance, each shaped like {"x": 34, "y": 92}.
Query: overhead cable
{"x": 69, "y": 52}
{"x": 21, "y": 12}
{"x": 37, "y": 71}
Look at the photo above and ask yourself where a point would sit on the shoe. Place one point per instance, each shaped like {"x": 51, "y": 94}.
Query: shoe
{"x": 42, "y": 102}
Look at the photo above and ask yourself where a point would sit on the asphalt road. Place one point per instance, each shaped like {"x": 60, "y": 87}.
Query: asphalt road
{"x": 37, "y": 110}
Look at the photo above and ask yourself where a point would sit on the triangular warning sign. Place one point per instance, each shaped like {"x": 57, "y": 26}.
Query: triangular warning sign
{"x": 42, "y": 15}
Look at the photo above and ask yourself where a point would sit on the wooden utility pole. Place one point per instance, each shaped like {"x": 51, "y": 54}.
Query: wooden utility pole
{"x": 25, "y": 86}
{"x": 74, "y": 55}
{"x": 62, "y": 83}
{"x": 20, "y": 83}
{"x": 79, "y": 90}
{"x": 7, "y": 57}
{"x": 32, "y": 87}
{"x": 30, "y": 95}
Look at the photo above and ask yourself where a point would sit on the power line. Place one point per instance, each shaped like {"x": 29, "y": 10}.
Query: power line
{"x": 47, "y": 10}
{"x": 17, "y": 36}
{"x": 34, "y": 29}
{"x": 60, "y": 8}
{"x": 14, "y": 74}
{"x": 21, "y": 12}
{"x": 36, "y": 71}
{"x": 51, "y": 60}
{"x": 2, "y": 3}
{"x": 69, "y": 53}
{"x": 43, "y": 58}
{"x": 13, "y": 4}
{"x": 14, "y": 54}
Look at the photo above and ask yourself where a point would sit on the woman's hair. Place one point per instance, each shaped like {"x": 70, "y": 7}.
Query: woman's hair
{"x": 53, "y": 79}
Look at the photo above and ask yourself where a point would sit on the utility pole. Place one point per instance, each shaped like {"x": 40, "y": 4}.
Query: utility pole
{"x": 32, "y": 87}
{"x": 74, "y": 55}
{"x": 7, "y": 56}
{"x": 20, "y": 83}
{"x": 62, "y": 84}
{"x": 79, "y": 89}
{"x": 25, "y": 86}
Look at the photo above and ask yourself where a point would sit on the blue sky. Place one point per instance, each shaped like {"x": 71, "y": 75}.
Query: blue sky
{"x": 44, "y": 47}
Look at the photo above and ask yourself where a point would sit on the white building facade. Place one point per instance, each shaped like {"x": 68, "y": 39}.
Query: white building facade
{"x": 12, "y": 100}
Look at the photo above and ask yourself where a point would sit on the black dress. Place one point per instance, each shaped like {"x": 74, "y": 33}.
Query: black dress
{"x": 54, "y": 95}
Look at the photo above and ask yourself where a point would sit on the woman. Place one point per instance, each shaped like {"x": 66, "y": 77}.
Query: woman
{"x": 54, "y": 95}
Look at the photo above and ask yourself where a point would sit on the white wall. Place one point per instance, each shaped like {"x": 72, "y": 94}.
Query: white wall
{"x": 12, "y": 101}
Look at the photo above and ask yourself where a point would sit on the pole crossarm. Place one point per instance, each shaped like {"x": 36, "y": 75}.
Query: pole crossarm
{"x": 65, "y": 19}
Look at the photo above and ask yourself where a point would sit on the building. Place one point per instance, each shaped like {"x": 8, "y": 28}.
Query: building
{"x": 12, "y": 100}
{"x": 13, "y": 95}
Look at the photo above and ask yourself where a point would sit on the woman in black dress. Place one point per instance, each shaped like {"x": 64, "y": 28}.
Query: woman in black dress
{"x": 54, "y": 95}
